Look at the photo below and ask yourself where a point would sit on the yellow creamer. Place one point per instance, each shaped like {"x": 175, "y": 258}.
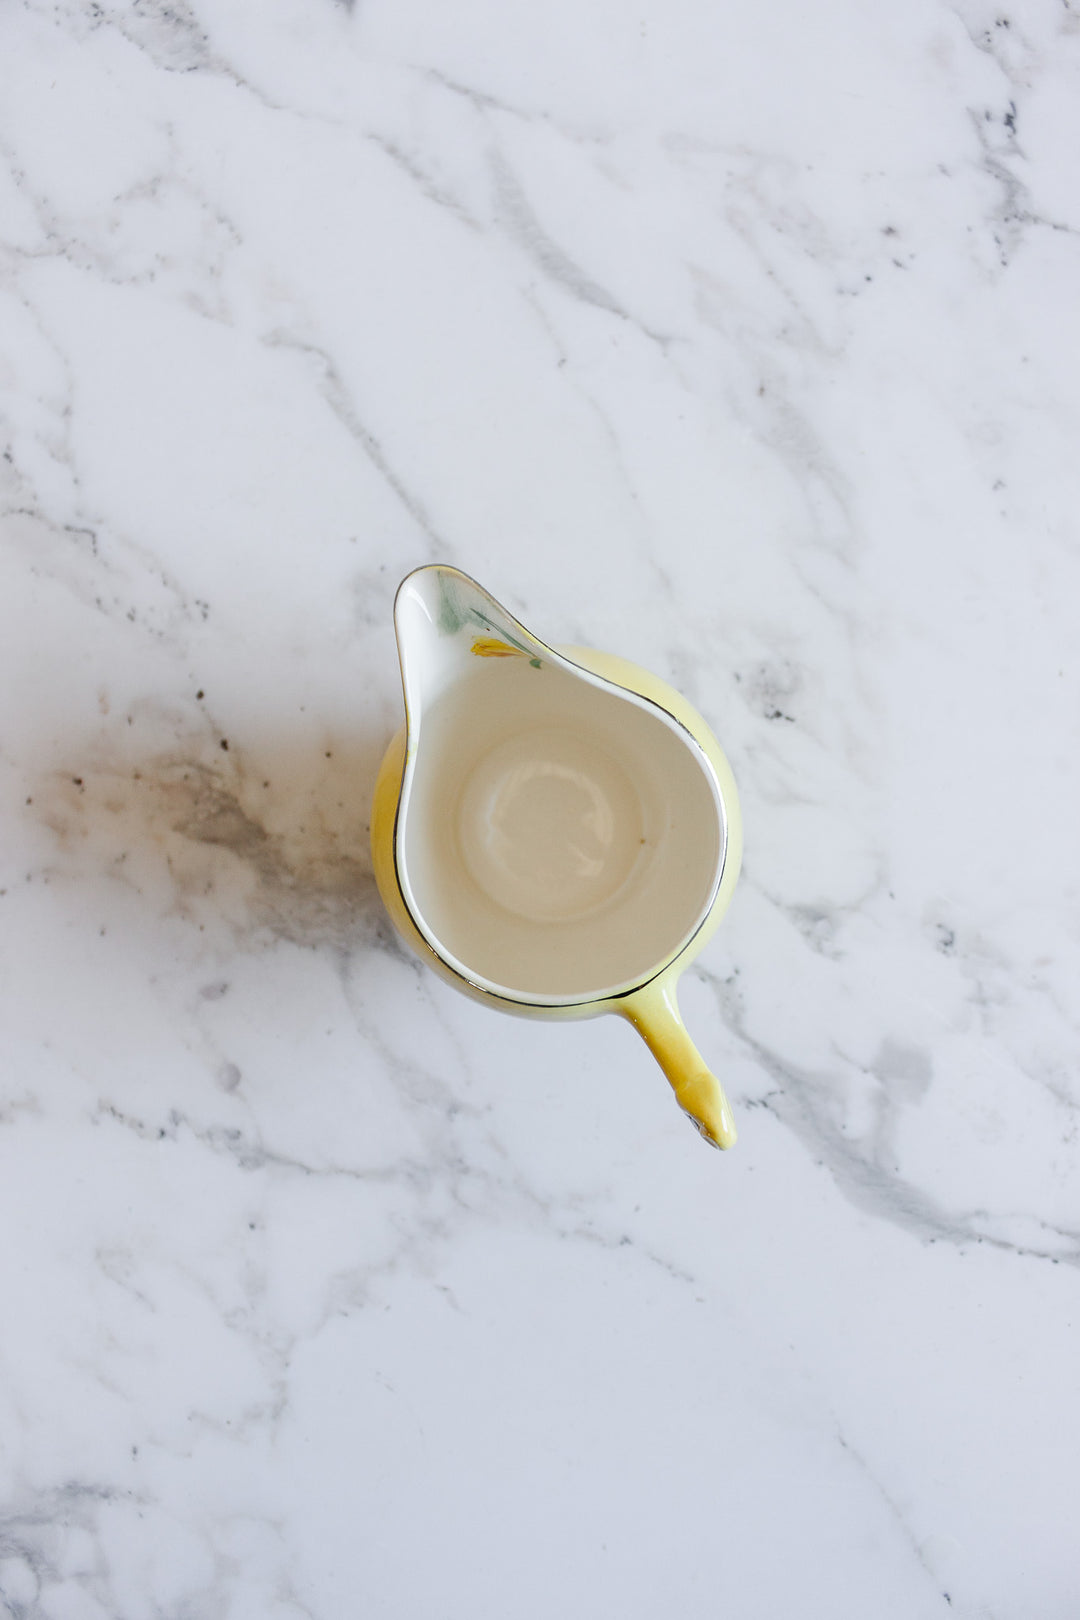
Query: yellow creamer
{"x": 554, "y": 831}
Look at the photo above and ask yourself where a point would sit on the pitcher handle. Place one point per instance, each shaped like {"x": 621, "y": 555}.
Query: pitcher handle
{"x": 654, "y": 1012}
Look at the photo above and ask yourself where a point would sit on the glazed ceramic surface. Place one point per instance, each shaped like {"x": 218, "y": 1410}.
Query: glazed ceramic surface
{"x": 739, "y": 339}
{"x": 560, "y": 839}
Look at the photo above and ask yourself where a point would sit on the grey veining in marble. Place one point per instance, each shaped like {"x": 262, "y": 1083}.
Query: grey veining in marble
{"x": 742, "y": 343}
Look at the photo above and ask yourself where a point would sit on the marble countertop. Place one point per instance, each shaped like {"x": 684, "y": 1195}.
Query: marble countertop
{"x": 739, "y": 341}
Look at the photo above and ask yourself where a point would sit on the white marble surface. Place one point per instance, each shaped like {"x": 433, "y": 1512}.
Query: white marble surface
{"x": 741, "y": 341}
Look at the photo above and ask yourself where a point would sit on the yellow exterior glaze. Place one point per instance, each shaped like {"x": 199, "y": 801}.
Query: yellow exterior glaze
{"x": 652, "y": 1007}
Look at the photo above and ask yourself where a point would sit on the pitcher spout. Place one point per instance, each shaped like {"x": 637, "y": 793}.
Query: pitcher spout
{"x": 444, "y": 621}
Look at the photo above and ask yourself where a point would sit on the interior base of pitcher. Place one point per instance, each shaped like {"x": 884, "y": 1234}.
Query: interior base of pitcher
{"x": 560, "y": 840}
{"x": 550, "y": 826}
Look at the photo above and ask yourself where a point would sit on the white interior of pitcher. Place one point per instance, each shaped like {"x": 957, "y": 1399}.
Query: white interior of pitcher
{"x": 559, "y": 839}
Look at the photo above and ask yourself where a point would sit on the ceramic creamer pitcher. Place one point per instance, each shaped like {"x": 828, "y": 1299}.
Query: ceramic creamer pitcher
{"x": 556, "y": 832}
